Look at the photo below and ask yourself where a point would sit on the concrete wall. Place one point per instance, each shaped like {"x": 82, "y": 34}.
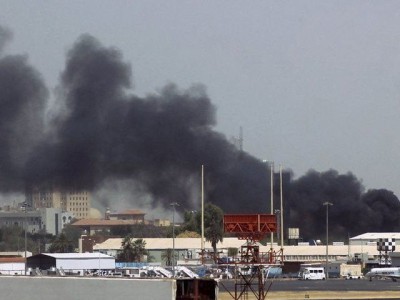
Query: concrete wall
{"x": 50, "y": 288}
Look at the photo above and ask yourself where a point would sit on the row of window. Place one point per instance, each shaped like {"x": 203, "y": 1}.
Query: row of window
{"x": 78, "y": 198}
{"x": 79, "y": 204}
{"x": 80, "y": 209}
{"x": 308, "y": 257}
{"x": 78, "y": 193}
{"x": 16, "y": 223}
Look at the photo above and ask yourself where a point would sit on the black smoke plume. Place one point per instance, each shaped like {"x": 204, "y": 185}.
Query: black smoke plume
{"x": 103, "y": 132}
{"x": 159, "y": 141}
{"x": 353, "y": 211}
{"x": 23, "y": 98}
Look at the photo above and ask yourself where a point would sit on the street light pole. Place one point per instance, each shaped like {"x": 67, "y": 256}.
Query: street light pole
{"x": 272, "y": 199}
{"x": 327, "y": 204}
{"x": 25, "y": 205}
{"x": 173, "y": 236}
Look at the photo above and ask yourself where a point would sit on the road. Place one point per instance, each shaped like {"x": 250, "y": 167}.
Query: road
{"x": 330, "y": 289}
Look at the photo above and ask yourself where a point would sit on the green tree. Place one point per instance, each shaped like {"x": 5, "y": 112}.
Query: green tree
{"x": 191, "y": 221}
{"x": 213, "y": 226}
{"x": 37, "y": 241}
{"x": 127, "y": 254}
{"x": 132, "y": 251}
{"x": 73, "y": 234}
{"x": 61, "y": 245}
{"x": 139, "y": 249}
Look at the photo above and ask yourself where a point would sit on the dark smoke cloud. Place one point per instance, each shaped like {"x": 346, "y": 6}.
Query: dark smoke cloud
{"x": 353, "y": 211}
{"x": 158, "y": 142}
{"x": 23, "y": 98}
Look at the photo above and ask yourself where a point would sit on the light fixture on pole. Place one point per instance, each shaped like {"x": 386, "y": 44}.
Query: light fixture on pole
{"x": 173, "y": 236}
{"x": 327, "y": 204}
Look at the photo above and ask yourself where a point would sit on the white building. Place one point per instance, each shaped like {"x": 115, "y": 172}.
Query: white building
{"x": 74, "y": 262}
{"x": 55, "y": 219}
{"x": 187, "y": 246}
{"x": 52, "y": 220}
{"x": 370, "y": 238}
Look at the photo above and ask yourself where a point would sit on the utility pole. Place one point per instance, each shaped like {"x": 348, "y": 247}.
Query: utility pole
{"x": 327, "y": 204}
{"x": 202, "y": 214}
{"x": 25, "y": 206}
{"x": 272, "y": 200}
{"x": 173, "y": 236}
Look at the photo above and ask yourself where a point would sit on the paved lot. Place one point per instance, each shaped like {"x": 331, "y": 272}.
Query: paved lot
{"x": 331, "y": 289}
{"x": 321, "y": 295}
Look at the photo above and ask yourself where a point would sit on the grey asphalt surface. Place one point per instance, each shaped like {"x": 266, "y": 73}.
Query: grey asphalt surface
{"x": 324, "y": 285}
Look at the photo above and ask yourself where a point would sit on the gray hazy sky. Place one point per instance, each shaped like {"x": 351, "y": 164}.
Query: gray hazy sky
{"x": 314, "y": 84}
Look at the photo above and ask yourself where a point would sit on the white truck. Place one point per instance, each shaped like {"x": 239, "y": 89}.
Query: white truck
{"x": 311, "y": 273}
{"x": 349, "y": 272}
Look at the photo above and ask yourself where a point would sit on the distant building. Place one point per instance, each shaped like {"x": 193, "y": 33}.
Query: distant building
{"x": 50, "y": 220}
{"x": 161, "y": 222}
{"x": 370, "y": 238}
{"x": 77, "y": 202}
{"x": 12, "y": 265}
{"x": 293, "y": 256}
{"x": 54, "y": 219}
{"x": 135, "y": 215}
{"x": 92, "y": 226}
{"x": 187, "y": 249}
{"x": 71, "y": 262}
{"x": 114, "y": 220}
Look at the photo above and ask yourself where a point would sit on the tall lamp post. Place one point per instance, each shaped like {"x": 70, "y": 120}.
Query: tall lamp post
{"x": 327, "y": 204}
{"x": 25, "y": 206}
{"x": 173, "y": 236}
{"x": 271, "y": 177}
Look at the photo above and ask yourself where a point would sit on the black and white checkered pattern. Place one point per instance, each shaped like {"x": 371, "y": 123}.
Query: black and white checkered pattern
{"x": 386, "y": 245}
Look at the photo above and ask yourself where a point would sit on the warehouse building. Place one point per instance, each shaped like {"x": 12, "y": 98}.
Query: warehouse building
{"x": 77, "y": 263}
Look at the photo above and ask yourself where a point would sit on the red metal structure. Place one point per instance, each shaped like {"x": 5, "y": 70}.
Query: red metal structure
{"x": 252, "y": 228}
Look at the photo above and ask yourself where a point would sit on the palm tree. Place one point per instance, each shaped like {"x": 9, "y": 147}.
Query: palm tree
{"x": 127, "y": 254}
{"x": 139, "y": 249}
{"x": 132, "y": 251}
{"x": 167, "y": 256}
{"x": 213, "y": 220}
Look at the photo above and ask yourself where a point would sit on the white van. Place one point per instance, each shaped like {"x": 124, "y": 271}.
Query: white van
{"x": 134, "y": 272}
{"x": 313, "y": 274}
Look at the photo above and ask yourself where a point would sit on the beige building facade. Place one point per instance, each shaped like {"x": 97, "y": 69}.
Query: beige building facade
{"x": 76, "y": 202}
